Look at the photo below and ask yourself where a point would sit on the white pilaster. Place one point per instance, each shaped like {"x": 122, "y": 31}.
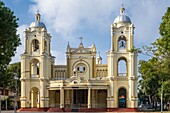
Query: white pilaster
{"x": 42, "y": 96}
{"x": 89, "y": 97}
{"x": 61, "y": 98}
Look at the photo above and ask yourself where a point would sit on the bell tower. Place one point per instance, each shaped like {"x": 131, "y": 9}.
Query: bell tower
{"x": 122, "y": 63}
{"x": 36, "y": 63}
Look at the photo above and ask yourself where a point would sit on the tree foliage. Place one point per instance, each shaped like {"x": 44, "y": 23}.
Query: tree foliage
{"x": 156, "y": 71}
{"x": 12, "y": 75}
{"x": 9, "y": 40}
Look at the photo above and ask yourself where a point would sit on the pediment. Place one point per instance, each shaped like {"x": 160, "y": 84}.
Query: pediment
{"x": 81, "y": 50}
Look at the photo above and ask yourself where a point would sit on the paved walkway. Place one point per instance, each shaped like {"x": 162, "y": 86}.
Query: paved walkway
{"x": 80, "y": 112}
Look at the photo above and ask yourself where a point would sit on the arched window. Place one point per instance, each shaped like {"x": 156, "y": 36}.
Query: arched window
{"x": 35, "y": 45}
{"x": 35, "y": 68}
{"x": 45, "y": 45}
{"x": 122, "y": 43}
{"x": 122, "y": 67}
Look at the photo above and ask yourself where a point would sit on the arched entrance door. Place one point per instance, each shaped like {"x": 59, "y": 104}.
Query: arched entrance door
{"x": 34, "y": 97}
{"x": 122, "y": 98}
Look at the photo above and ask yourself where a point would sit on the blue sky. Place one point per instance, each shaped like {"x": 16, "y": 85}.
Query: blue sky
{"x": 67, "y": 20}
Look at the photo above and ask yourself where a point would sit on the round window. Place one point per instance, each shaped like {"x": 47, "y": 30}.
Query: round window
{"x": 81, "y": 68}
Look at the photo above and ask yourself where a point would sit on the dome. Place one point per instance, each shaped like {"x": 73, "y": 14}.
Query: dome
{"x": 37, "y": 23}
{"x": 122, "y": 18}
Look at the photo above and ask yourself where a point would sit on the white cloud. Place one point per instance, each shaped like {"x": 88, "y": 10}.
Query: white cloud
{"x": 147, "y": 16}
{"x": 20, "y": 49}
{"x": 68, "y": 16}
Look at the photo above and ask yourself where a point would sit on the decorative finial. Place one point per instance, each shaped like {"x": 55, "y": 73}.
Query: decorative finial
{"x": 93, "y": 44}
{"x": 68, "y": 45}
{"x": 99, "y": 55}
{"x": 68, "y": 48}
{"x": 99, "y": 59}
{"x": 37, "y": 16}
{"x": 122, "y": 9}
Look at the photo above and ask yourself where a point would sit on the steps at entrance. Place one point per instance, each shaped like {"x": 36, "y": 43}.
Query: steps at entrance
{"x": 122, "y": 110}
{"x": 80, "y": 109}
{"x": 33, "y": 109}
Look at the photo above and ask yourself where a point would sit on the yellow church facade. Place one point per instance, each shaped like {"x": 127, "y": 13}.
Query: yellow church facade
{"x": 84, "y": 82}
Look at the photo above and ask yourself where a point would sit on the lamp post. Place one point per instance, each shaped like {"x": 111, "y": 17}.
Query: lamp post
{"x": 15, "y": 94}
{"x": 0, "y": 101}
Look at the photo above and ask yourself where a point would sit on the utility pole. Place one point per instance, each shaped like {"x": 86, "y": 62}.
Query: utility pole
{"x": 162, "y": 98}
{"x": 15, "y": 94}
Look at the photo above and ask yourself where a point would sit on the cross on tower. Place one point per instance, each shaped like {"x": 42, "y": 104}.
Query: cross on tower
{"x": 122, "y": 4}
{"x": 81, "y": 38}
{"x": 37, "y": 11}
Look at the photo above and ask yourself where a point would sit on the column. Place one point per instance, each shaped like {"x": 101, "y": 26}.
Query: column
{"x": 67, "y": 102}
{"x": 93, "y": 102}
{"x": 89, "y": 97}
{"x": 42, "y": 66}
{"x": 25, "y": 44}
{"x": 32, "y": 99}
{"x": 61, "y": 98}
{"x": 42, "y": 40}
{"x": 108, "y": 98}
{"x": 47, "y": 99}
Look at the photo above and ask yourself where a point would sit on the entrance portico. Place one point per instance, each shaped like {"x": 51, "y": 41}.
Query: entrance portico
{"x": 78, "y": 97}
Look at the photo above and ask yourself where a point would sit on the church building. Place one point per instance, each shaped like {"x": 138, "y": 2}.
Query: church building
{"x": 84, "y": 82}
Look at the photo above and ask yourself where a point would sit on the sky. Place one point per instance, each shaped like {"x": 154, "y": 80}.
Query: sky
{"x": 67, "y": 20}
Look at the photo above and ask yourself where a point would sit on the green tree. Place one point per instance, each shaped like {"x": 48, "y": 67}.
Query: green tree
{"x": 9, "y": 40}
{"x": 156, "y": 71}
{"x": 13, "y": 74}
{"x": 9, "y": 81}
